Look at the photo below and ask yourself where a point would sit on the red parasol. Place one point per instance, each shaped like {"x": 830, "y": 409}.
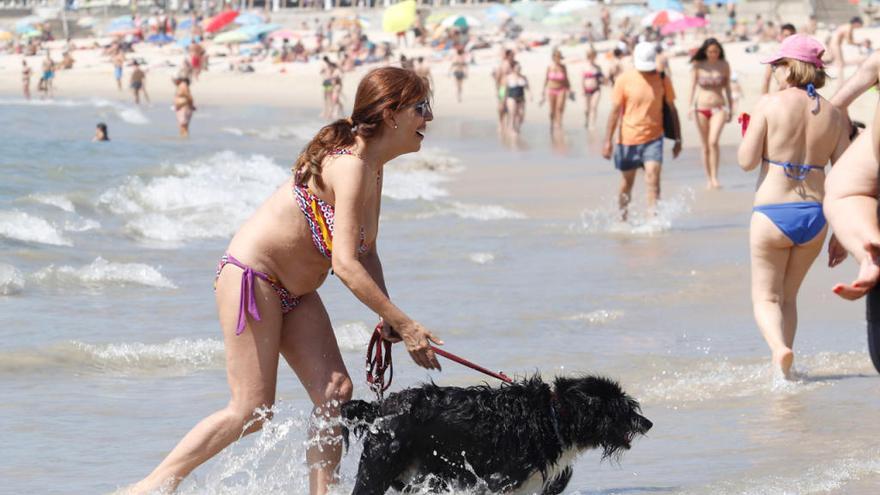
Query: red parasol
{"x": 220, "y": 21}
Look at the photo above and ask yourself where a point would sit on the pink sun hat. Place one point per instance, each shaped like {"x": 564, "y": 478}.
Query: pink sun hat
{"x": 799, "y": 47}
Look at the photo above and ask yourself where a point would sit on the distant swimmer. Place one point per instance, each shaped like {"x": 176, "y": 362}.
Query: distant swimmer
{"x": 101, "y": 133}
{"x": 792, "y": 136}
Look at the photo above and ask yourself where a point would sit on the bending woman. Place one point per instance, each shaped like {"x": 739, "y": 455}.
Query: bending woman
{"x": 710, "y": 102}
{"x": 326, "y": 216}
{"x": 793, "y": 135}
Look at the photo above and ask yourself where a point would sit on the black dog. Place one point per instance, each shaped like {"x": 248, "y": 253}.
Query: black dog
{"x": 521, "y": 437}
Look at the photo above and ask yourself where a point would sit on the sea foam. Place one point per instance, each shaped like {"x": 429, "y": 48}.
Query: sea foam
{"x": 102, "y": 272}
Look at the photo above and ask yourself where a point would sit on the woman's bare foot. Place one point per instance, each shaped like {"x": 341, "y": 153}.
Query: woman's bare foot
{"x": 783, "y": 360}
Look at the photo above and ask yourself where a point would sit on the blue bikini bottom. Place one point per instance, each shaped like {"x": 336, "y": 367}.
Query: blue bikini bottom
{"x": 800, "y": 222}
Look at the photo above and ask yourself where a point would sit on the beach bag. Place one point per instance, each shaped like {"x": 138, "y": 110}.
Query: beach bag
{"x": 669, "y": 131}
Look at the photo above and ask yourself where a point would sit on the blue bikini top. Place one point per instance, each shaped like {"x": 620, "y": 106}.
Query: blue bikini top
{"x": 793, "y": 170}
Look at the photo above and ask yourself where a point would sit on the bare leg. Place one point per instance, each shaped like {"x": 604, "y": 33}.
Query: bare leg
{"x": 652, "y": 185}
{"x": 628, "y": 178}
{"x": 703, "y": 129}
{"x": 560, "y": 108}
{"x": 594, "y": 108}
{"x": 251, "y": 370}
{"x": 799, "y": 263}
{"x": 309, "y": 346}
{"x": 715, "y": 126}
{"x": 778, "y": 269}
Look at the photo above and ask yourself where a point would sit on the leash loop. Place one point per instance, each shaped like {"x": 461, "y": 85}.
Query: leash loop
{"x": 379, "y": 361}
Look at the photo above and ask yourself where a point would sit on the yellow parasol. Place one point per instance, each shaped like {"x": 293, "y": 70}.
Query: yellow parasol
{"x": 399, "y": 17}
{"x": 6, "y": 36}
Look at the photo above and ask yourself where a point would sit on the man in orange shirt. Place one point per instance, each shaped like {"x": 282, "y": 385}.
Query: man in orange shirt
{"x": 637, "y": 109}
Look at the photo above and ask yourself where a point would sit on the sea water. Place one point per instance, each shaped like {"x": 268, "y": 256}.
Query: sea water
{"x": 111, "y": 349}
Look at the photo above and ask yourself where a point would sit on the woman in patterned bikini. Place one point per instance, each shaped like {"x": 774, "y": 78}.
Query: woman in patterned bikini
{"x": 326, "y": 216}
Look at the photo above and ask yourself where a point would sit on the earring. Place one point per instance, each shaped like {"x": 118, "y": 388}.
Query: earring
{"x": 395, "y": 126}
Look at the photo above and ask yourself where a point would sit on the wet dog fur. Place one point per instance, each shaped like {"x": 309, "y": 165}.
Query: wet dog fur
{"x": 521, "y": 437}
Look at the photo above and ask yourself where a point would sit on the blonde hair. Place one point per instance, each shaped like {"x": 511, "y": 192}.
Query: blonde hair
{"x": 802, "y": 73}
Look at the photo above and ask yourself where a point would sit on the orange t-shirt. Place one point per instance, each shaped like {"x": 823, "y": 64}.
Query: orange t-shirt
{"x": 638, "y": 94}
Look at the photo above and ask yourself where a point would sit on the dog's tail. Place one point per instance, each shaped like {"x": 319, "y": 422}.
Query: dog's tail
{"x": 357, "y": 416}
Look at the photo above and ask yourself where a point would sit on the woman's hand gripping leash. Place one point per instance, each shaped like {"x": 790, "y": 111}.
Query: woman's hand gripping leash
{"x": 417, "y": 340}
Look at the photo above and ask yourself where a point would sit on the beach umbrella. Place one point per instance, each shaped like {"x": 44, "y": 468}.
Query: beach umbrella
{"x": 437, "y": 17}
{"x": 248, "y": 18}
{"x": 460, "y": 21}
{"x": 24, "y": 23}
{"x": 666, "y": 5}
{"x": 184, "y": 42}
{"x": 283, "y": 34}
{"x": 661, "y": 18}
{"x": 159, "y": 38}
{"x": 571, "y": 6}
{"x": 231, "y": 37}
{"x": 254, "y": 31}
{"x": 629, "y": 11}
{"x": 530, "y": 10}
{"x": 220, "y": 21}
{"x": 683, "y": 25}
{"x": 119, "y": 23}
{"x": 559, "y": 20}
{"x": 399, "y": 17}
{"x": 6, "y": 36}
{"x": 185, "y": 24}
{"x": 32, "y": 33}
{"x": 499, "y": 13}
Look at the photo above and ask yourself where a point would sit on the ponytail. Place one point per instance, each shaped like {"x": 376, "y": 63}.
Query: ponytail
{"x": 339, "y": 134}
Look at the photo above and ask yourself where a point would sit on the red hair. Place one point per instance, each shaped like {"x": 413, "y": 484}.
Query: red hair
{"x": 385, "y": 88}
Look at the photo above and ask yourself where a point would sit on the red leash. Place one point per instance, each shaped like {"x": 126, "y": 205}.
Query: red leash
{"x": 378, "y": 362}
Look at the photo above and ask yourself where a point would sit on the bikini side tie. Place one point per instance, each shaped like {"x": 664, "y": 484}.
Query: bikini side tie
{"x": 248, "y": 300}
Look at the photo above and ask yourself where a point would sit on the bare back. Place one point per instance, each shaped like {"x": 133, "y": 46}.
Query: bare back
{"x": 794, "y": 134}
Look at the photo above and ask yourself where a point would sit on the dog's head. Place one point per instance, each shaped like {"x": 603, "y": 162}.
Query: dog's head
{"x": 595, "y": 412}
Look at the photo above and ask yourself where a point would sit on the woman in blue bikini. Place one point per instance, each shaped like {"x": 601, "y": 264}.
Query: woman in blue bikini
{"x": 325, "y": 216}
{"x": 793, "y": 135}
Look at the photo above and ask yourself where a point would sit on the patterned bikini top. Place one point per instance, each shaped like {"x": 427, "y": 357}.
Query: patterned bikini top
{"x": 320, "y": 215}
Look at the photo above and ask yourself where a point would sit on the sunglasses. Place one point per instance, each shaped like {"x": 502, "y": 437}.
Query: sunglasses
{"x": 423, "y": 108}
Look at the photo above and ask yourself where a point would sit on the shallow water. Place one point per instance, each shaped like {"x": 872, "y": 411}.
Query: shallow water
{"x": 111, "y": 350}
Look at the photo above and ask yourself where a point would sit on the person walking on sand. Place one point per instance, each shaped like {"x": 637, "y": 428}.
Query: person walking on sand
{"x": 637, "y": 111}
{"x": 556, "y": 89}
{"x": 711, "y": 103}
{"x": 118, "y": 63}
{"x": 591, "y": 83}
{"x": 499, "y": 76}
{"x": 517, "y": 85}
{"x": 183, "y": 105}
{"x": 842, "y": 35}
{"x": 792, "y": 136}
{"x": 459, "y": 70}
{"x": 46, "y": 85}
{"x": 266, "y": 282}
{"x": 138, "y": 83}
{"x": 26, "y": 79}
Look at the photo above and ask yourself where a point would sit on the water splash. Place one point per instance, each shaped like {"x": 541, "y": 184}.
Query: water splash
{"x": 607, "y": 220}
{"x": 101, "y": 273}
